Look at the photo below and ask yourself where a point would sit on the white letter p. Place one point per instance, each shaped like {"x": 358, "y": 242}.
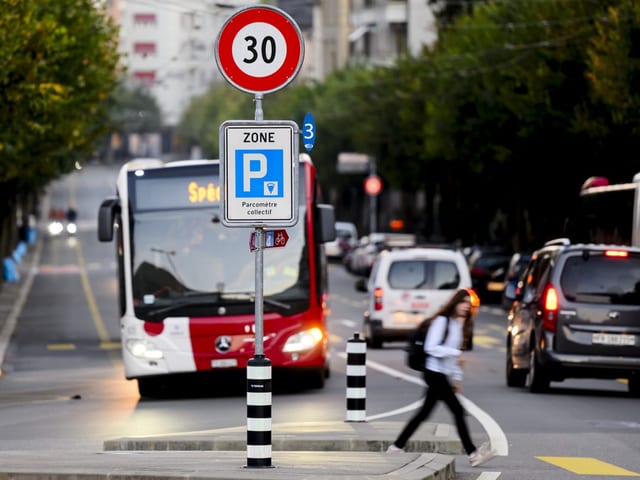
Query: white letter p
{"x": 248, "y": 173}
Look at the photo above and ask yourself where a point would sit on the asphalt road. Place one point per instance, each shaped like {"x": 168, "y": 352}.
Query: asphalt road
{"x": 63, "y": 386}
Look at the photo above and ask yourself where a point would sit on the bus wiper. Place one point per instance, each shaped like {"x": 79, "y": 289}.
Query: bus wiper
{"x": 252, "y": 297}
{"x": 190, "y": 299}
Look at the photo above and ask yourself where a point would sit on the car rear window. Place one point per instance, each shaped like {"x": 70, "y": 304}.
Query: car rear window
{"x": 600, "y": 279}
{"x": 423, "y": 275}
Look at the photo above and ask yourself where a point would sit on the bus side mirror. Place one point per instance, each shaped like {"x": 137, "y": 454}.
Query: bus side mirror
{"x": 106, "y": 215}
{"x": 326, "y": 222}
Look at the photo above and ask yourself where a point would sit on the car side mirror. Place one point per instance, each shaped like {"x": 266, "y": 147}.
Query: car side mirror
{"x": 510, "y": 292}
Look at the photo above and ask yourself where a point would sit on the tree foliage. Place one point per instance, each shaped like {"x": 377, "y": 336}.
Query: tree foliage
{"x": 505, "y": 117}
{"x": 58, "y": 64}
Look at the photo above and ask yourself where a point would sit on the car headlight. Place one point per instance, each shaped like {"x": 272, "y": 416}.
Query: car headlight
{"x": 143, "y": 349}
{"x": 55, "y": 228}
{"x": 304, "y": 340}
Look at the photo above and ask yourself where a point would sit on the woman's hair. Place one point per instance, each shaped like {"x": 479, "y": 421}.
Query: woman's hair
{"x": 448, "y": 309}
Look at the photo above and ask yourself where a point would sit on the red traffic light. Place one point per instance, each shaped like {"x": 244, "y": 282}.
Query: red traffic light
{"x": 372, "y": 185}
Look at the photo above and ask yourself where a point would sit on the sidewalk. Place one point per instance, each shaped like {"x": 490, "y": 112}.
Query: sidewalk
{"x": 308, "y": 451}
{"x": 300, "y": 451}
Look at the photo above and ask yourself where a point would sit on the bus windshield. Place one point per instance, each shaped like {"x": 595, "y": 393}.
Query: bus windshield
{"x": 185, "y": 262}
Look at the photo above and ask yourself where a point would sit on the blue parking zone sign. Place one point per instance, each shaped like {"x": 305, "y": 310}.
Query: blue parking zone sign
{"x": 259, "y": 173}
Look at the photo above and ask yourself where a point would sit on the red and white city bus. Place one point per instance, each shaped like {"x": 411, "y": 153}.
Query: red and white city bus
{"x": 187, "y": 283}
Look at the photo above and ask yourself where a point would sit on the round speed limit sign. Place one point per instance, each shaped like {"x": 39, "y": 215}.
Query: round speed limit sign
{"x": 259, "y": 49}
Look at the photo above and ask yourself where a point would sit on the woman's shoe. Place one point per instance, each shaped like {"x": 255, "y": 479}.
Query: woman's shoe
{"x": 393, "y": 449}
{"x": 482, "y": 455}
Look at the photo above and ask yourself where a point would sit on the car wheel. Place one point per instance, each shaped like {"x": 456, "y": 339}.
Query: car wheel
{"x": 373, "y": 340}
{"x": 634, "y": 385}
{"x": 536, "y": 380}
{"x": 515, "y": 377}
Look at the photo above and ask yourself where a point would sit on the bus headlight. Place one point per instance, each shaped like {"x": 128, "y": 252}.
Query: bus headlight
{"x": 143, "y": 349}
{"x": 304, "y": 340}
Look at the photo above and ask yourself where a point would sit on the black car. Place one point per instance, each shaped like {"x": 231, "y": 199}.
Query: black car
{"x": 517, "y": 264}
{"x": 576, "y": 314}
{"x": 488, "y": 266}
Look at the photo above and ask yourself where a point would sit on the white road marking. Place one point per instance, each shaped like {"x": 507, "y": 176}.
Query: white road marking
{"x": 488, "y": 475}
{"x": 348, "y": 323}
{"x": 496, "y": 435}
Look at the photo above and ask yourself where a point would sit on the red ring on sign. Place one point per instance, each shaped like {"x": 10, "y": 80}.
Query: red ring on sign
{"x": 249, "y": 83}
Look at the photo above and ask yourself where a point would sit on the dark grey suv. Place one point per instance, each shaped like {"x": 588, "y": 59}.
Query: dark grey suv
{"x": 576, "y": 315}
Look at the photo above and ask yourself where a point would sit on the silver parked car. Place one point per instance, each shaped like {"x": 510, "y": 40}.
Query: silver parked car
{"x": 346, "y": 240}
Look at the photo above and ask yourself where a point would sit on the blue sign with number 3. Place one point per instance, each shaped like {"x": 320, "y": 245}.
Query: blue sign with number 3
{"x": 308, "y": 132}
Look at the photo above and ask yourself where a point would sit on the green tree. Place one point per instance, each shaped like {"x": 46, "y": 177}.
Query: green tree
{"x": 129, "y": 111}
{"x": 514, "y": 81}
{"x": 58, "y": 64}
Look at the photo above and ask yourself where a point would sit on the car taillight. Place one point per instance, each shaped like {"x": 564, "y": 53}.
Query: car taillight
{"x": 377, "y": 299}
{"x": 550, "y": 309}
{"x": 478, "y": 272}
{"x": 616, "y": 253}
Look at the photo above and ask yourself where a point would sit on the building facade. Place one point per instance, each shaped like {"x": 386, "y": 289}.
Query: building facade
{"x": 168, "y": 45}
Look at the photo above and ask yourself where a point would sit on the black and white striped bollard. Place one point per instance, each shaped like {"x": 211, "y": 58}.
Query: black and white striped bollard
{"x": 356, "y": 379}
{"x": 259, "y": 412}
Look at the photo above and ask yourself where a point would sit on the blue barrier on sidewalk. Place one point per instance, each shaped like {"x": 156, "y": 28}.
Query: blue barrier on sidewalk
{"x": 31, "y": 235}
{"x": 19, "y": 252}
{"x": 9, "y": 270}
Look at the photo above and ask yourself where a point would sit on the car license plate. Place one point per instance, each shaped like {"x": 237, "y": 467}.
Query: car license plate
{"x": 495, "y": 286}
{"x": 224, "y": 363}
{"x": 613, "y": 339}
{"x": 404, "y": 318}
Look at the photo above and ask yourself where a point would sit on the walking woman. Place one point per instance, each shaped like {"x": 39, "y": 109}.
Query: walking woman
{"x": 443, "y": 375}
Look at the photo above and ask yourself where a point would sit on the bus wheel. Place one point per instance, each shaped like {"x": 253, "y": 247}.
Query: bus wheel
{"x": 151, "y": 387}
{"x": 316, "y": 378}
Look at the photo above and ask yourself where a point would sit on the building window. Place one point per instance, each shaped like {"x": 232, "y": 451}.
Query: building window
{"x": 146, "y": 78}
{"x": 144, "y": 48}
{"x": 144, "y": 18}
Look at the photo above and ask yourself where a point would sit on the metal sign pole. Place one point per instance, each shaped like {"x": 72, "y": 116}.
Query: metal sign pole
{"x": 259, "y": 323}
{"x": 259, "y": 333}
{"x": 259, "y": 367}
{"x": 373, "y": 203}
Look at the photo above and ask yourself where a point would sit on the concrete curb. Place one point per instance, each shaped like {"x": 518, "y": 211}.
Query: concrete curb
{"x": 224, "y": 466}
